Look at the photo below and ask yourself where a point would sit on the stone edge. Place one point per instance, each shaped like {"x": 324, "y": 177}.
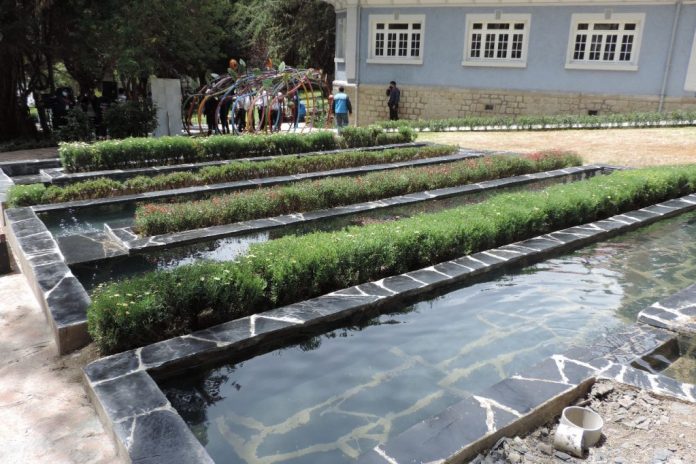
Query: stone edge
{"x": 61, "y": 296}
{"x": 134, "y": 244}
{"x": 254, "y": 183}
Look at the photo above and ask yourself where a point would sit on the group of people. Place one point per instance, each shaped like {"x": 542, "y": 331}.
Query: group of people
{"x": 264, "y": 107}
{"x": 342, "y": 106}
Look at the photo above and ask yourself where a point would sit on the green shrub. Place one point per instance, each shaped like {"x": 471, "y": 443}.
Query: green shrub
{"x": 285, "y": 165}
{"x": 143, "y": 152}
{"x": 130, "y": 119}
{"x": 153, "y": 219}
{"x": 163, "y": 304}
{"x": 77, "y": 127}
{"x": 25, "y": 195}
{"x": 528, "y": 122}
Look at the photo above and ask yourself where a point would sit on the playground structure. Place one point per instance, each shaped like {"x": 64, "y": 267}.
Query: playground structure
{"x": 258, "y": 101}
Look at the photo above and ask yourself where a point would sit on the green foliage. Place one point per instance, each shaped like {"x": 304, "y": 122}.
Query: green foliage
{"x": 161, "y": 304}
{"x": 25, "y": 195}
{"x": 285, "y": 165}
{"x": 554, "y": 122}
{"x": 153, "y": 219}
{"x": 76, "y": 128}
{"x": 130, "y": 119}
{"x": 354, "y": 137}
{"x": 143, "y": 152}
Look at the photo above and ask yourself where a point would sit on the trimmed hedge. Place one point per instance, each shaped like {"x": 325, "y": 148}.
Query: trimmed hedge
{"x": 159, "y": 218}
{"x": 33, "y": 194}
{"x": 143, "y": 152}
{"x": 163, "y": 304}
{"x": 543, "y": 122}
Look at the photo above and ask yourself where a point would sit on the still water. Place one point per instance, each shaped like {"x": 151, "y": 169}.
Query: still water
{"x": 335, "y": 396}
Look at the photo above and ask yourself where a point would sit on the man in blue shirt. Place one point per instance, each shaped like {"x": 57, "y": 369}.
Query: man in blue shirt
{"x": 342, "y": 108}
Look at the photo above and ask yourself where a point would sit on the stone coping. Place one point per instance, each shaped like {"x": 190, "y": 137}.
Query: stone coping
{"x": 28, "y": 167}
{"x": 60, "y": 177}
{"x": 676, "y": 313}
{"x": 61, "y": 296}
{"x": 136, "y": 411}
{"x": 254, "y": 183}
{"x": 136, "y": 244}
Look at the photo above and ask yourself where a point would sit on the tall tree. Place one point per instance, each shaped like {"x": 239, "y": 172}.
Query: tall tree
{"x": 299, "y": 32}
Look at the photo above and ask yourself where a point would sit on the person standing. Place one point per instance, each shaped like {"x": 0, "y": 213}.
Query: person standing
{"x": 394, "y": 95}
{"x": 342, "y": 108}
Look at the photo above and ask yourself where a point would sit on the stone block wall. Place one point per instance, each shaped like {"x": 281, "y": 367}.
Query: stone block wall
{"x": 419, "y": 102}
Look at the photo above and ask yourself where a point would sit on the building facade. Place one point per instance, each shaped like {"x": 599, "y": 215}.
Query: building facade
{"x": 453, "y": 58}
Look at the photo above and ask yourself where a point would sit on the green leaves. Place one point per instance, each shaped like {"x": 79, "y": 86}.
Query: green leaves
{"x": 163, "y": 304}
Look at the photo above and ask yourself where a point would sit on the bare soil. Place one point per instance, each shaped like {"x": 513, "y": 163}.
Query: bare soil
{"x": 639, "y": 428}
{"x": 34, "y": 153}
{"x": 624, "y": 147}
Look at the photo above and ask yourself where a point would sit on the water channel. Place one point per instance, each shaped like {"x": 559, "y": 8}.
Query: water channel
{"x": 335, "y": 396}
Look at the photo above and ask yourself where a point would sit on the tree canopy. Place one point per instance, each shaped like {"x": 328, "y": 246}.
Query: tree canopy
{"x": 133, "y": 39}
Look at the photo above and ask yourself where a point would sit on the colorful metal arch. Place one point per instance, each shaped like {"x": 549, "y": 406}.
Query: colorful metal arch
{"x": 260, "y": 91}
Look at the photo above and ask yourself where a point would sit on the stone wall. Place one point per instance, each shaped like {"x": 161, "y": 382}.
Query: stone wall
{"x": 453, "y": 102}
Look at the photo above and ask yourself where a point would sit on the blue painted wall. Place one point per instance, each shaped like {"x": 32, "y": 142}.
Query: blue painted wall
{"x": 546, "y": 57}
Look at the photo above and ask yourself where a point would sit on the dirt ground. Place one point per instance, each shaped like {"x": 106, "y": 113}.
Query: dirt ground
{"x": 639, "y": 428}
{"x": 625, "y": 147}
{"x": 45, "y": 414}
{"x": 34, "y": 153}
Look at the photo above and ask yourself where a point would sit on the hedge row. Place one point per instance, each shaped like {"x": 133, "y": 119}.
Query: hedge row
{"x": 143, "y": 152}
{"x": 164, "y": 304}
{"x": 34, "y": 194}
{"x": 545, "y": 122}
{"x": 159, "y": 218}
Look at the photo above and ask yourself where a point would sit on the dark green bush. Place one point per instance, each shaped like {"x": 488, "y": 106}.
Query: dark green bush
{"x": 130, "y": 119}
{"x": 153, "y": 219}
{"x": 163, "y": 304}
{"x": 77, "y": 127}
{"x": 143, "y": 152}
{"x": 285, "y": 165}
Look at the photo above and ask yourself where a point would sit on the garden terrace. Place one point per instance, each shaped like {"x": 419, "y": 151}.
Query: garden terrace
{"x": 327, "y": 193}
{"x": 547, "y": 122}
{"x": 102, "y": 187}
{"x": 133, "y": 312}
{"x": 143, "y": 152}
{"x": 125, "y": 386}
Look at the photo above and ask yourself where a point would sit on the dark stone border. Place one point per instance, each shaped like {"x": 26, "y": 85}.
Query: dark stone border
{"x": 254, "y": 183}
{"x": 136, "y": 244}
{"x": 62, "y": 297}
{"x": 58, "y": 175}
{"x": 676, "y": 313}
{"x": 546, "y": 127}
{"x": 134, "y": 408}
{"x": 28, "y": 167}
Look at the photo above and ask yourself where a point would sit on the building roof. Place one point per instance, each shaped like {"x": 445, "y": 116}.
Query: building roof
{"x": 342, "y": 4}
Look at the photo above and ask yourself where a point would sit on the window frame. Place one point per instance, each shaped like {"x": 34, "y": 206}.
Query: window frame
{"x": 341, "y": 22}
{"x": 396, "y": 19}
{"x": 510, "y": 18}
{"x": 599, "y": 18}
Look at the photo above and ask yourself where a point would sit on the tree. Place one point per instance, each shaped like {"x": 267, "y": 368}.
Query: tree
{"x": 298, "y": 32}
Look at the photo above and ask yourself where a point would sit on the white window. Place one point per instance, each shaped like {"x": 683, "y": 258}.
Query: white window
{"x": 606, "y": 42}
{"x": 496, "y": 40}
{"x": 340, "y": 39}
{"x": 396, "y": 39}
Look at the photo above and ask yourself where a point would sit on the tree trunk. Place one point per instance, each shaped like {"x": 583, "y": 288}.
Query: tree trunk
{"x": 14, "y": 117}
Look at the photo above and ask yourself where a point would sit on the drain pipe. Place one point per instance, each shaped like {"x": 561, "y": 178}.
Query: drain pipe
{"x": 357, "y": 65}
{"x": 668, "y": 66}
